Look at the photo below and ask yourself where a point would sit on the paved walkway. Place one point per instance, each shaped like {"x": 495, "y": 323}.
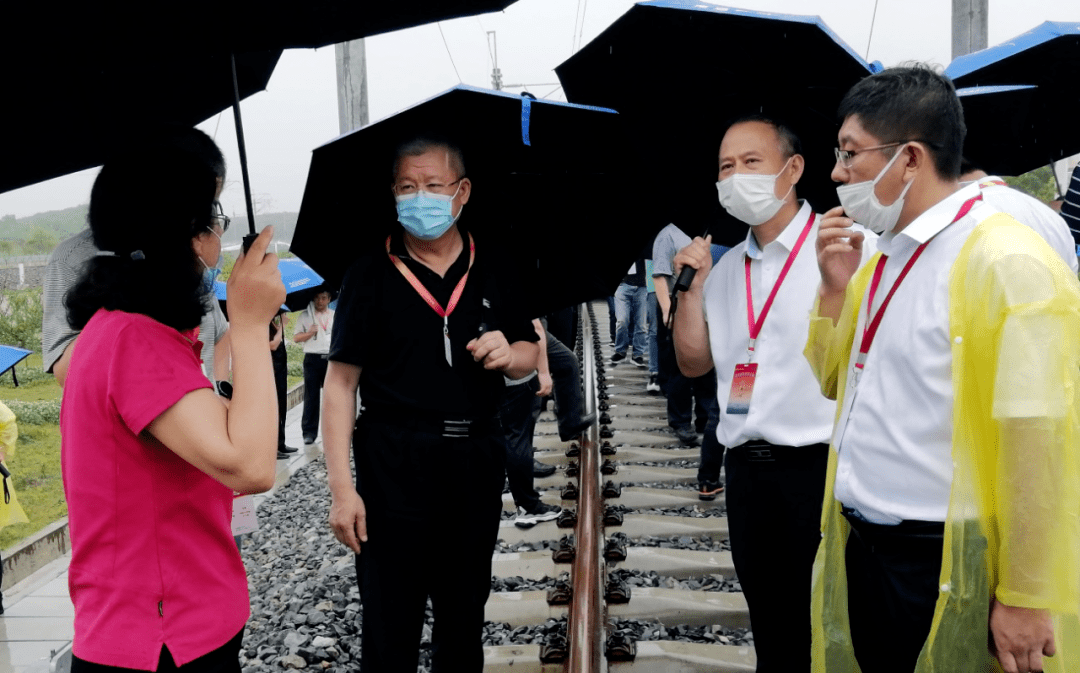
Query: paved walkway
{"x": 37, "y": 623}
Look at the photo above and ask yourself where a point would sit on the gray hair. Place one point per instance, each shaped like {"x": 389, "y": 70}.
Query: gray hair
{"x": 422, "y": 145}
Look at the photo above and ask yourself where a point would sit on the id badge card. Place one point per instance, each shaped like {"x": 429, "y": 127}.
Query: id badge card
{"x": 243, "y": 515}
{"x": 742, "y": 387}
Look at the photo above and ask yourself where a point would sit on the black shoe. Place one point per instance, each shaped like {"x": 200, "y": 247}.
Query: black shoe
{"x": 618, "y": 357}
{"x": 687, "y": 436}
{"x": 652, "y": 386}
{"x": 638, "y": 360}
{"x": 576, "y": 429}
{"x": 708, "y": 490}
{"x": 542, "y": 469}
{"x": 287, "y": 449}
{"x": 283, "y": 455}
{"x": 308, "y": 440}
{"x": 542, "y": 512}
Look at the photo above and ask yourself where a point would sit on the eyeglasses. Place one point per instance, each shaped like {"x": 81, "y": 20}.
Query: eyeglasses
{"x": 219, "y": 218}
{"x": 844, "y": 157}
{"x": 408, "y": 188}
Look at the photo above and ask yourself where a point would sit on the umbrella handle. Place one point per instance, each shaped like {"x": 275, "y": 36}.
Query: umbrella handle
{"x": 248, "y": 240}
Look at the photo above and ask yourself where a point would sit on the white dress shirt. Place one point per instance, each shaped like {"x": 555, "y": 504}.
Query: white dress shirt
{"x": 894, "y": 435}
{"x": 1035, "y": 214}
{"x": 786, "y": 407}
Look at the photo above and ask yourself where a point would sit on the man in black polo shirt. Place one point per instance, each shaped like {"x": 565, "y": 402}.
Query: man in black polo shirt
{"x": 430, "y": 321}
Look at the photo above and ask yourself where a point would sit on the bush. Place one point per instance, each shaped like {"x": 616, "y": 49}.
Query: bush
{"x": 43, "y": 412}
{"x": 20, "y": 319}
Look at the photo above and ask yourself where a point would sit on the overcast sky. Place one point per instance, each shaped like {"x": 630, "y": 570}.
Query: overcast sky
{"x": 298, "y": 111}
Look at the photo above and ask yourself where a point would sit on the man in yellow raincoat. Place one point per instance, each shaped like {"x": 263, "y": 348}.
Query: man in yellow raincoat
{"x": 950, "y": 522}
{"x": 10, "y": 511}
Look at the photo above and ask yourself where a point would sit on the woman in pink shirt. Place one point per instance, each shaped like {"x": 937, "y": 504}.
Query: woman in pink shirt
{"x": 151, "y": 456}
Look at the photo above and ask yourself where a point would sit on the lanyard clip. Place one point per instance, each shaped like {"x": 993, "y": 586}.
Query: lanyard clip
{"x": 750, "y": 349}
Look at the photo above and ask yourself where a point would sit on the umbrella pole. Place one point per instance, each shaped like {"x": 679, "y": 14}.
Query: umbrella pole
{"x": 243, "y": 154}
{"x": 1057, "y": 183}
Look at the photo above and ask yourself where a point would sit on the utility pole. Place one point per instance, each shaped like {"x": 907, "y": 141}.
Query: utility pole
{"x": 352, "y": 85}
{"x": 969, "y": 26}
{"x": 496, "y": 74}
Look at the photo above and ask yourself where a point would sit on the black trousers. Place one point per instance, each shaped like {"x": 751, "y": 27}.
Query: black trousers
{"x": 566, "y": 384}
{"x": 314, "y": 375}
{"x": 280, "y": 360}
{"x": 774, "y": 521}
{"x": 892, "y": 574}
{"x": 518, "y": 413}
{"x": 403, "y": 474}
{"x": 225, "y": 659}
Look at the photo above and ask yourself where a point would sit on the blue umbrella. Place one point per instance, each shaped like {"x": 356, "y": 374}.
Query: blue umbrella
{"x": 1040, "y": 129}
{"x": 11, "y": 356}
{"x": 675, "y": 69}
{"x": 302, "y": 282}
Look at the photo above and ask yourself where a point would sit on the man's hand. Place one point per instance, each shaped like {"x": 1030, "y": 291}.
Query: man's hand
{"x": 546, "y": 384}
{"x": 492, "y": 349}
{"x": 839, "y": 251}
{"x": 1020, "y": 637}
{"x": 697, "y": 255}
{"x": 348, "y": 519}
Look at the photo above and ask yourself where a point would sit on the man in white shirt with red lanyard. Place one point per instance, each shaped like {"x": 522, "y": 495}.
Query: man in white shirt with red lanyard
{"x": 950, "y": 518}
{"x": 774, "y": 420}
{"x": 313, "y": 329}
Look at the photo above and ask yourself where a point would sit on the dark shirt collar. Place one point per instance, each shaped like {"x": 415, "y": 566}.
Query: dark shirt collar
{"x": 453, "y": 274}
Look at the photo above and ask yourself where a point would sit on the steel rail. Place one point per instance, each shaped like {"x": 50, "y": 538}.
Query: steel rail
{"x": 585, "y": 630}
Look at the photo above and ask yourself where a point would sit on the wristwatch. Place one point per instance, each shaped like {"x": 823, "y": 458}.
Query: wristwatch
{"x": 223, "y": 388}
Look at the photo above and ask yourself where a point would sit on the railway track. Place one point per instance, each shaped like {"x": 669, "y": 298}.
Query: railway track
{"x": 635, "y": 575}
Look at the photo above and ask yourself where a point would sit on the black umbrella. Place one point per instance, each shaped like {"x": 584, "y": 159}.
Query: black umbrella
{"x": 679, "y": 69}
{"x": 73, "y": 72}
{"x": 1042, "y": 128}
{"x": 551, "y": 194}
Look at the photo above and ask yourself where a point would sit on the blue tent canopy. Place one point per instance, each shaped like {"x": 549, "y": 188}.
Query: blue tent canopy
{"x": 11, "y": 356}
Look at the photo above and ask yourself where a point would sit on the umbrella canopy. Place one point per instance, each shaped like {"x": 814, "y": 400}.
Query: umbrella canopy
{"x": 57, "y": 127}
{"x": 550, "y": 191}
{"x": 11, "y": 356}
{"x": 302, "y": 282}
{"x": 999, "y": 128}
{"x": 676, "y": 70}
{"x": 1043, "y": 128}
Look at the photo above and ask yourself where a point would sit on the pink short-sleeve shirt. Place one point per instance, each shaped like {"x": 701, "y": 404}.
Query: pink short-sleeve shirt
{"x": 153, "y": 561}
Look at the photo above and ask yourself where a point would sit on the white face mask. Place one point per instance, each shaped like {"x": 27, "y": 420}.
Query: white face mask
{"x": 752, "y": 198}
{"x": 862, "y": 205}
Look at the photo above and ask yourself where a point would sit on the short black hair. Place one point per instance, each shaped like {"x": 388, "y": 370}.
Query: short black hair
{"x": 147, "y": 204}
{"x": 790, "y": 145}
{"x": 911, "y": 102}
{"x": 420, "y": 145}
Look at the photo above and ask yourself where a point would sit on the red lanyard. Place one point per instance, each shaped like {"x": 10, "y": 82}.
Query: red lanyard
{"x": 755, "y": 326}
{"x": 873, "y": 322}
{"x": 426, "y": 296}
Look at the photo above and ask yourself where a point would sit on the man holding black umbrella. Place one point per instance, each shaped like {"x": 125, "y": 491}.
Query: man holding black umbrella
{"x": 429, "y": 321}
{"x": 774, "y": 421}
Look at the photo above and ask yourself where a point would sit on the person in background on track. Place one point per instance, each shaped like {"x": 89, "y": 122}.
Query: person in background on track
{"x": 279, "y": 355}
{"x": 408, "y": 333}
{"x": 518, "y": 412}
{"x": 151, "y": 456}
{"x": 313, "y": 329}
{"x": 630, "y": 319}
{"x": 685, "y": 395}
{"x": 653, "y": 385}
{"x": 776, "y": 426}
{"x": 950, "y": 516}
{"x": 1024, "y": 209}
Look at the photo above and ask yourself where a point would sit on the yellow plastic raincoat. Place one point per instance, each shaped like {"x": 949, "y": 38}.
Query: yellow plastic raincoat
{"x": 10, "y": 512}
{"x": 1013, "y": 527}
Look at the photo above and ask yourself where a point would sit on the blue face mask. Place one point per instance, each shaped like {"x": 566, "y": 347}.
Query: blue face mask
{"x": 425, "y": 215}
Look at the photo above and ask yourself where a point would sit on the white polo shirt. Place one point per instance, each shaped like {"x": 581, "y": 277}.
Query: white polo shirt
{"x": 786, "y": 407}
{"x": 1035, "y": 214}
{"x": 894, "y": 435}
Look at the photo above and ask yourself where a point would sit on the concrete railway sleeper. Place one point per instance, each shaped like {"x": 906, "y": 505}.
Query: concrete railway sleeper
{"x": 638, "y": 569}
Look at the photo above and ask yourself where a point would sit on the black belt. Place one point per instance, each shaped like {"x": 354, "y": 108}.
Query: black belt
{"x": 458, "y": 427}
{"x": 759, "y": 451}
{"x": 893, "y": 537}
